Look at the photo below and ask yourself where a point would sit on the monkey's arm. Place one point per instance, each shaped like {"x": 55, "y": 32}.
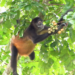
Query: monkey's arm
{"x": 39, "y": 38}
{"x": 45, "y": 34}
{"x": 45, "y": 30}
{"x": 51, "y": 30}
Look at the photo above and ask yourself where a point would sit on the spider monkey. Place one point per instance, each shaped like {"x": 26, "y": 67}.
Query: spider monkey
{"x": 31, "y": 36}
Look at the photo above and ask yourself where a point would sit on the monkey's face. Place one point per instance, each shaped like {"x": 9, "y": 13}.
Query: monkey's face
{"x": 39, "y": 25}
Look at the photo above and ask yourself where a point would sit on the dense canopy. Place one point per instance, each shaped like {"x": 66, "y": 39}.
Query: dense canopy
{"x": 55, "y": 55}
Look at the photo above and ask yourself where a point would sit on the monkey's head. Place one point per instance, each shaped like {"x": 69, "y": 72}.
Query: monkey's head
{"x": 37, "y": 23}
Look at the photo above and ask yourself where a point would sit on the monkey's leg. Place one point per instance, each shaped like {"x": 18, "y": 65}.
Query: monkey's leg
{"x": 32, "y": 56}
{"x": 14, "y": 54}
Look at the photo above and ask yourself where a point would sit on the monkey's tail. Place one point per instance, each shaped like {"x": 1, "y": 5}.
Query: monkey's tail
{"x": 61, "y": 19}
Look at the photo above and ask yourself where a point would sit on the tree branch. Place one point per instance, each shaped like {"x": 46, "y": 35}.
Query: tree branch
{"x": 7, "y": 70}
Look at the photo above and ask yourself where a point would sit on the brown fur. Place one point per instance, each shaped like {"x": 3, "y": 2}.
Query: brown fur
{"x": 25, "y": 45}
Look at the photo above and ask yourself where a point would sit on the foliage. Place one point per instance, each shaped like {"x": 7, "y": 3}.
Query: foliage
{"x": 55, "y": 55}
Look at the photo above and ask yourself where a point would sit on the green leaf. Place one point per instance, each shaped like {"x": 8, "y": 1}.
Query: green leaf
{"x": 72, "y": 34}
{"x": 73, "y": 26}
{"x": 21, "y": 33}
{"x": 16, "y": 30}
{"x": 53, "y": 44}
{"x": 3, "y": 3}
{"x": 8, "y": 24}
{"x": 28, "y": 7}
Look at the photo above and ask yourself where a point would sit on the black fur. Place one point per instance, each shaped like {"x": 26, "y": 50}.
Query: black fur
{"x": 14, "y": 59}
{"x": 32, "y": 55}
{"x": 61, "y": 19}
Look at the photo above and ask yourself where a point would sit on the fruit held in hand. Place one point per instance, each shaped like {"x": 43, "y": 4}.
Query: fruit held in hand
{"x": 54, "y": 24}
{"x": 59, "y": 32}
{"x": 62, "y": 29}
